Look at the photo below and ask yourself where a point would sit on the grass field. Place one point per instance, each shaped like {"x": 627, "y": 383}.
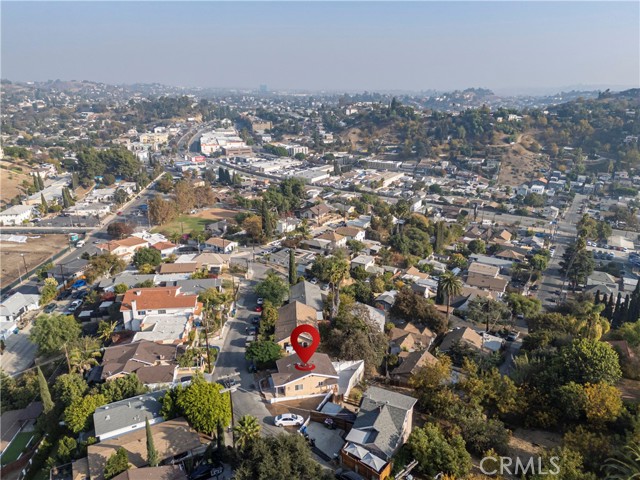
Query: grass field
{"x": 16, "y": 447}
{"x": 196, "y": 222}
{"x": 183, "y": 224}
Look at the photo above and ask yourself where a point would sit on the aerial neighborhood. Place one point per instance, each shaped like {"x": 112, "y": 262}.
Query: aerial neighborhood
{"x": 471, "y": 263}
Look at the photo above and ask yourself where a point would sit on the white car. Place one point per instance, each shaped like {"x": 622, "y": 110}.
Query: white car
{"x": 260, "y": 301}
{"x": 288, "y": 420}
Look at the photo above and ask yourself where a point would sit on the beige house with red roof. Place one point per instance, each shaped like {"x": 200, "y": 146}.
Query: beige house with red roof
{"x": 220, "y": 245}
{"x": 124, "y": 248}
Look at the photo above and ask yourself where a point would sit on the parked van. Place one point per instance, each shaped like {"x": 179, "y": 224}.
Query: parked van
{"x": 80, "y": 243}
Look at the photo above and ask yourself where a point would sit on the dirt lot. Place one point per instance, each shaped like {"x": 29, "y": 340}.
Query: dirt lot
{"x": 35, "y": 251}
{"x": 519, "y": 165}
{"x": 11, "y": 178}
{"x": 527, "y": 443}
{"x": 217, "y": 214}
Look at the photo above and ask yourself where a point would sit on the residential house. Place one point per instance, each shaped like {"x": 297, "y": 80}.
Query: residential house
{"x": 364, "y": 261}
{"x": 167, "y": 472}
{"x": 89, "y": 209}
{"x": 16, "y": 215}
{"x": 186, "y": 268}
{"x": 126, "y": 278}
{"x": 165, "y": 248}
{"x": 291, "y": 316}
{"x": 117, "y": 418}
{"x": 480, "y": 342}
{"x": 124, "y": 248}
{"x": 289, "y": 383}
{"x": 64, "y": 272}
{"x": 410, "y": 364}
{"x": 385, "y": 300}
{"x": 377, "y": 316}
{"x": 160, "y": 314}
{"x": 350, "y": 373}
{"x": 318, "y": 214}
{"x": 502, "y": 237}
{"x": 351, "y": 233}
{"x": 308, "y": 294}
{"x": 12, "y": 308}
{"x": 155, "y": 364}
{"x": 602, "y": 278}
{"x": 171, "y": 439}
{"x": 487, "y": 277}
{"x": 196, "y": 286}
{"x": 504, "y": 264}
{"x": 335, "y": 240}
{"x": 363, "y": 221}
{"x": 220, "y": 245}
{"x": 410, "y": 338}
{"x": 383, "y": 425}
{"x": 287, "y": 225}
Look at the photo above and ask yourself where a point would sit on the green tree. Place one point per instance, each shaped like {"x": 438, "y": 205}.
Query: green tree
{"x": 204, "y": 407}
{"x": 413, "y": 307}
{"x": 539, "y": 262}
{"x": 66, "y": 448}
{"x": 152, "y": 453}
{"x": 116, "y": 464}
{"x": 522, "y": 305}
{"x": 268, "y": 320}
{"x": 79, "y": 414}
{"x": 123, "y": 387}
{"x": 488, "y": 311}
{"x": 264, "y": 353}
{"x": 282, "y": 457}
{"x": 477, "y": 246}
{"x": 43, "y": 204}
{"x": 51, "y": 332}
{"x": 120, "y": 196}
{"x": 147, "y": 256}
{"x": 451, "y": 286}
{"x": 436, "y": 453}
{"x": 69, "y": 387}
{"x": 246, "y": 431}
{"x": 589, "y": 361}
{"x": 334, "y": 270}
{"x": 293, "y": 274}
{"x": 45, "y": 394}
{"x": 49, "y": 290}
{"x": 106, "y": 330}
{"x": 273, "y": 288}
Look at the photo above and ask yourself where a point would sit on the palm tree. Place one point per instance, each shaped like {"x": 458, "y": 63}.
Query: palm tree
{"x": 83, "y": 354}
{"x": 106, "y": 330}
{"x": 175, "y": 237}
{"x": 199, "y": 238}
{"x": 450, "y": 286}
{"x": 246, "y": 430}
{"x": 626, "y": 465}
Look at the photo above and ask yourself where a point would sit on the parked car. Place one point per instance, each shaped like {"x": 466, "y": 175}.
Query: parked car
{"x": 259, "y": 308}
{"x": 513, "y": 336}
{"x": 260, "y": 301}
{"x": 206, "y": 470}
{"x": 314, "y": 281}
{"x": 50, "y": 308}
{"x": 255, "y": 320}
{"x": 288, "y": 420}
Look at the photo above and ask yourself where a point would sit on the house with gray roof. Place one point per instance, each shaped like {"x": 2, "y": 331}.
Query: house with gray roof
{"x": 127, "y": 415}
{"x": 383, "y": 423}
{"x": 307, "y": 293}
{"x": 126, "y": 278}
{"x": 12, "y": 309}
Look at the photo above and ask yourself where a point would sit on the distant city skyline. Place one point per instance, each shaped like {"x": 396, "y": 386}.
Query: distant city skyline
{"x": 509, "y": 47}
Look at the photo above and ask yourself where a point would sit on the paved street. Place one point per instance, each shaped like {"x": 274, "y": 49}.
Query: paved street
{"x": 232, "y": 362}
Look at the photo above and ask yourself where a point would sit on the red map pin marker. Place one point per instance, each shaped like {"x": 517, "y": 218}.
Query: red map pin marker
{"x": 305, "y": 352}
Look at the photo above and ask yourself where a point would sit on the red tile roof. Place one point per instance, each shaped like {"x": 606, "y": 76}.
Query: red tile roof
{"x": 157, "y": 298}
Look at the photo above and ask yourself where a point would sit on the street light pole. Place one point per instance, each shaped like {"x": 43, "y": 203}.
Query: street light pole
{"x": 24, "y": 262}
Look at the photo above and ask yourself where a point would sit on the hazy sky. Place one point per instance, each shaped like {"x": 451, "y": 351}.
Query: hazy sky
{"x": 325, "y": 45}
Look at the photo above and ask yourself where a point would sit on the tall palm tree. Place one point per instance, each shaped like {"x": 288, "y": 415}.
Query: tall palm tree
{"x": 450, "y": 286}
{"x": 246, "y": 430}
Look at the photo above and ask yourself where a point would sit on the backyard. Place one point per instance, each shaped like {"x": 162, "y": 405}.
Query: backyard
{"x": 196, "y": 222}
